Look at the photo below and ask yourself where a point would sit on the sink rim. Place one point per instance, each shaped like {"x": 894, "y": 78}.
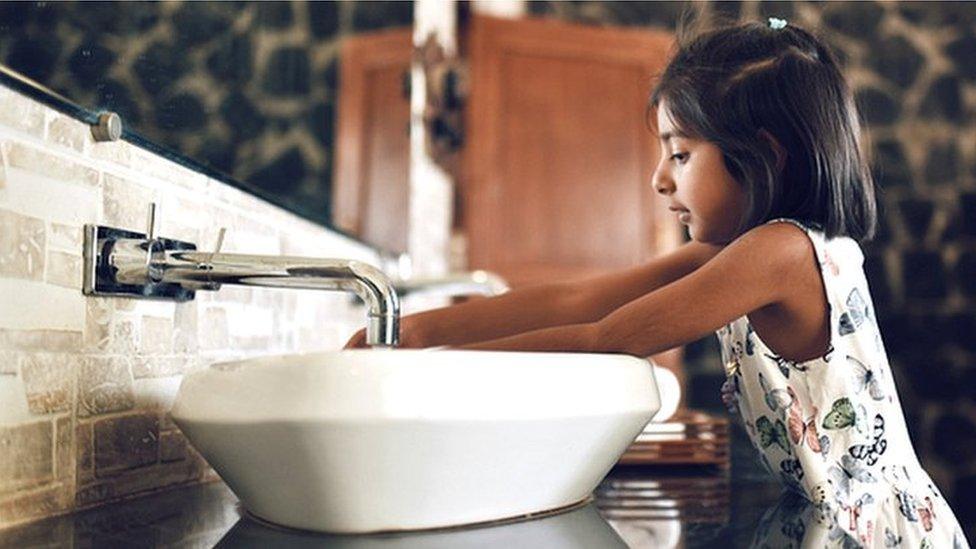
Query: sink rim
{"x": 417, "y": 385}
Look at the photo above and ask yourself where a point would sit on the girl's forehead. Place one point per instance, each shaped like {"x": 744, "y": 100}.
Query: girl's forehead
{"x": 666, "y": 126}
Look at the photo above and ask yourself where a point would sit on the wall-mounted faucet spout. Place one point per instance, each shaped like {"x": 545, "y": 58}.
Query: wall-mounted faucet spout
{"x": 204, "y": 270}
{"x": 126, "y": 263}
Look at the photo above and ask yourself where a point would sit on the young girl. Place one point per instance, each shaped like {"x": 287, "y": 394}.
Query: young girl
{"x": 762, "y": 161}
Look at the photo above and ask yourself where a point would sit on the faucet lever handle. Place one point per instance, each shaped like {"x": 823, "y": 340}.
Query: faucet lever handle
{"x": 220, "y": 242}
{"x": 151, "y": 222}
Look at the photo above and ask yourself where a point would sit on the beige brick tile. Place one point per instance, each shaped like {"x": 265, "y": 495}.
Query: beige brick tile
{"x": 104, "y": 385}
{"x": 68, "y": 132}
{"x": 125, "y": 442}
{"x": 125, "y": 203}
{"x": 9, "y": 363}
{"x": 34, "y": 305}
{"x": 84, "y": 452}
{"x": 158, "y": 366}
{"x": 166, "y": 170}
{"x": 98, "y": 323}
{"x": 124, "y": 304}
{"x": 63, "y": 269}
{"x": 40, "y": 340}
{"x": 49, "y": 380}
{"x": 214, "y": 336}
{"x": 52, "y": 166}
{"x": 66, "y": 238}
{"x": 22, "y": 507}
{"x": 125, "y": 336}
{"x": 172, "y": 446}
{"x": 21, "y": 113}
{"x": 94, "y": 494}
{"x": 156, "y": 336}
{"x": 118, "y": 153}
{"x": 185, "y": 327}
{"x": 166, "y": 422}
{"x": 26, "y": 455}
{"x": 22, "y": 246}
{"x": 135, "y": 481}
{"x": 64, "y": 448}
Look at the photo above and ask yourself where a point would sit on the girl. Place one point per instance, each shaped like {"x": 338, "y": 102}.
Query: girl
{"x": 762, "y": 160}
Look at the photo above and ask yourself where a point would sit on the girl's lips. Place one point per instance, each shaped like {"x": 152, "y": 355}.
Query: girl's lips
{"x": 684, "y": 215}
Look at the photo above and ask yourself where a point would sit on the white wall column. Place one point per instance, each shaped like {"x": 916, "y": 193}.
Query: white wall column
{"x": 431, "y": 188}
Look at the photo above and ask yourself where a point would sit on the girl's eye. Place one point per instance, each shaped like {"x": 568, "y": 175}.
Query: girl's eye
{"x": 680, "y": 157}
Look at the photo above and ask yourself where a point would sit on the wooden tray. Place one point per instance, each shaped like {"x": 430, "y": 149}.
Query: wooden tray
{"x": 689, "y": 438}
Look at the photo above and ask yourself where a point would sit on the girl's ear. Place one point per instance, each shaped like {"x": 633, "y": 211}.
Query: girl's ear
{"x": 777, "y": 149}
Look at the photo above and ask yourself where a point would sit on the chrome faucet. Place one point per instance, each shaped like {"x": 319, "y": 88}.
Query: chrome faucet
{"x": 126, "y": 263}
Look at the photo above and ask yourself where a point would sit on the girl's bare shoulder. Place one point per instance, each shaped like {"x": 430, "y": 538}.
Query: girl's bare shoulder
{"x": 779, "y": 248}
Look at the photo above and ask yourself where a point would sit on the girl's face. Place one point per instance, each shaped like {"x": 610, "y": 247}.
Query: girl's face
{"x": 692, "y": 177}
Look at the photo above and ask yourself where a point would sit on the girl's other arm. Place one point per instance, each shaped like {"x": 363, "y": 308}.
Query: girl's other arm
{"x": 750, "y": 273}
{"x": 546, "y": 305}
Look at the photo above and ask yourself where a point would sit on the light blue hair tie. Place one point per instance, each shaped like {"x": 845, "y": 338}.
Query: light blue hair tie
{"x": 776, "y": 23}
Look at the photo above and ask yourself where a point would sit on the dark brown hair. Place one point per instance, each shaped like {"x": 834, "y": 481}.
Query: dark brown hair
{"x": 725, "y": 84}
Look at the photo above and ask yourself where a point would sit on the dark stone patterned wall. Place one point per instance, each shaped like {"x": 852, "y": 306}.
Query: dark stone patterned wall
{"x": 248, "y": 88}
{"x": 913, "y": 66}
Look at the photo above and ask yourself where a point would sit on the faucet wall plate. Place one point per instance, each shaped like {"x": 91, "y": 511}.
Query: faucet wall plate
{"x": 99, "y": 275}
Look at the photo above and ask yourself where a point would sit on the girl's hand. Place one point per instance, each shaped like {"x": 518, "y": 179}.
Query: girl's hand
{"x": 729, "y": 398}
{"x": 357, "y": 341}
{"x": 410, "y": 336}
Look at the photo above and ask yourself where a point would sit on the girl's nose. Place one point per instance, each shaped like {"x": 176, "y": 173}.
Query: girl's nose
{"x": 661, "y": 183}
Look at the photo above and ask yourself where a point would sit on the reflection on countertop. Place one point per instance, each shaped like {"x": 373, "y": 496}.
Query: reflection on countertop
{"x": 636, "y": 507}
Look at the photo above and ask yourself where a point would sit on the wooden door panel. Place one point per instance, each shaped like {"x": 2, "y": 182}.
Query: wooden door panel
{"x": 372, "y": 147}
{"x": 385, "y": 182}
{"x": 556, "y": 147}
{"x": 558, "y": 161}
{"x": 558, "y": 157}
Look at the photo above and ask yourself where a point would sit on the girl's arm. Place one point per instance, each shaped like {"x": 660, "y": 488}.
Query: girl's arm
{"x": 748, "y": 274}
{"x": 547, "y": 305}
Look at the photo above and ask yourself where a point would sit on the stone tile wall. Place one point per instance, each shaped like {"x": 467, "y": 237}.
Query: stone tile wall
{"x": 86, "y": 383}
{"x": 913, "y": 70}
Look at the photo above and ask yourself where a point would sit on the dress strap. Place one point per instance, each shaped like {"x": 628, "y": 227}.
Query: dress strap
{"x": 835, "y": 280}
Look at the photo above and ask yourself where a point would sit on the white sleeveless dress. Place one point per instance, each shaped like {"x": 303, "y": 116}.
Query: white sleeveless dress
{"x": 832, "y": 428}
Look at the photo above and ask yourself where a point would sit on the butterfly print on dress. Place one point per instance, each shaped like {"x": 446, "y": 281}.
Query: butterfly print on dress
{"x": 857, "y": 312}
{"x": 791, "y": 471}
{"x": 866, "y": 377}
{"x": 772, "y": 433}
{"x": 891, "y": 540}
{"x": 750, "y": 348}
{"x": 843, "y": 472}
{"x": 871, "y": 452}
{"x": 804, "y": 431}
{"x": 854, "y": 514}
{"x": 778, "y": 400}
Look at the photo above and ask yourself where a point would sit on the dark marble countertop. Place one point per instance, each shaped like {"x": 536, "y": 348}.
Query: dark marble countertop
{"x": 634, "y": 506}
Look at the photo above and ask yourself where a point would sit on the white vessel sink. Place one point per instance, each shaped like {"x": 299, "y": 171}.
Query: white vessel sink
{"x": 363, "y": 441}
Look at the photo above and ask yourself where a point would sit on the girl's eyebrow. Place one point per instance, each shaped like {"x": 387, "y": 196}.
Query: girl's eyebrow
{"x": 674, "y": 133}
